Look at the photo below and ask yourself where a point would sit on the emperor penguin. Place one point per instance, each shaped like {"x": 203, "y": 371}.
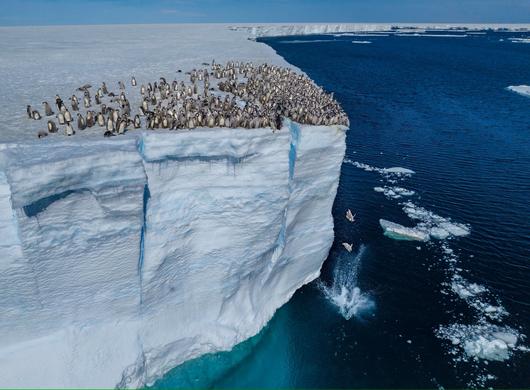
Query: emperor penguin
{"x": 110, "y": 124}
{"x": 122, "y": 125}
{"x": 52, "y": 127}
{"x": 86, "y": 101}
{"x": 68, "y": 116}
{"x": 42, "y": 134}
{"x": 104, "y": 88}
{"x": 47, "y": 109}
{"x": 35, "y": 114}
{"x": 81, "y": 122}
{"x": 60, "y": 118}
{"x": 29, "y": 111}
{"x": 122, "y": 86}
{"x": 133, "y": 81}
{"x": 69, "y": 130}
{"x": 90, "y": 119}
{"x": 59, "y": 102}
{"x": 101, "y": 120}
{"x": 137, "y": 122}
{"x": 75, "y": 104}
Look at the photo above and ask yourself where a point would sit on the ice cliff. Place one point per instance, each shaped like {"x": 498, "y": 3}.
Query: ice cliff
{"x": 121, "y": 259}
{"x": 277, "y": 29}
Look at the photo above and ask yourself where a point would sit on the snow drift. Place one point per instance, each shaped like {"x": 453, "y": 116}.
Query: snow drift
{"x": 124, "y": 258}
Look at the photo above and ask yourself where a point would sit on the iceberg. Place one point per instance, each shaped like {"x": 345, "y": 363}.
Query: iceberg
{"x": 125, "y": 257}
{"x": 128, "y": 257}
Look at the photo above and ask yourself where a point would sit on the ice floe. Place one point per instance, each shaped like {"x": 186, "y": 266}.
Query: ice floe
{"x": 520, "y": 89}
{"x": 389, "y": 173}
{"x": 394, "y": 192}
{"x": 519, "y": 40}
{"x": 400, "y": 232}
{"x": 361, "y": 42}
{"x": 482, "y": 341}
{"x": 436, "y": 226}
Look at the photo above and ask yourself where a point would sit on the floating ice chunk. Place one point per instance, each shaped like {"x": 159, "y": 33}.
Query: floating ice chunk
{"x": 400, "y": 232}
{"x": 519, "y": 40}
{"x": 361, "y": 42}
{"x": 520, "y": 89}
{"x": 438, "y": 227}
{"x": 433, "y": 35}
{"x": 464, "y": 289}
{"x": 399, "y": 171}
{"x": 388, "y": 173}
{"x": 394, "y": 192}
{"x": 482, "y": 341}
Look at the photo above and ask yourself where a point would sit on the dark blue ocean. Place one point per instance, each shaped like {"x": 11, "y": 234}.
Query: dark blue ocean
{"x": 453, "y": 311}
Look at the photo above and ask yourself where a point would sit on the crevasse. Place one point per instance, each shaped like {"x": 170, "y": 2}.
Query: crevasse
{"x": 123, "y": 259}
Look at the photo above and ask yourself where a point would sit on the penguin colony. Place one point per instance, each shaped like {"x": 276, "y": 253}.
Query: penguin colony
{"x": 247, "y": 96}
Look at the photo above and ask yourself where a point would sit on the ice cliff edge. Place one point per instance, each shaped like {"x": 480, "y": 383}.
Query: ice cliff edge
{"x": 121, "y": 260}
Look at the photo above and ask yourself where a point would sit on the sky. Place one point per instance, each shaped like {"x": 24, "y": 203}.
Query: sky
{"x": 60, "y": 12}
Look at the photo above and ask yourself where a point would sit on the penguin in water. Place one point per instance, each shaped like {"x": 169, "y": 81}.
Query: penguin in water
{"x": 47, "y": 109}
{"x": 52, "y": 127}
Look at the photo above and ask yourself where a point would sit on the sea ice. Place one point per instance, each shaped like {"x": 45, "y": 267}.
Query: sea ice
{"x": 520, "y": 89}
{"x": 394, "y": 192}
{"x": 400, "y": 232}
{"x": 481, "y": 341}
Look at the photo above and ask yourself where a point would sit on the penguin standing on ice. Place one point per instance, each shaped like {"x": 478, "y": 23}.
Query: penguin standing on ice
{"x": 69, "y": 130}
{"x": 133, "y": 81}
{"x": 137, "y": 123}
{"x": 52, "y": 127}
{"x": 47, "y": 109}
{"x": 68, "y": 116}
{"x": 29, "y": 111}
{"x": 59, "y": 102}
{"x": 81, "y": 122}
{"x": 35, "y": 114}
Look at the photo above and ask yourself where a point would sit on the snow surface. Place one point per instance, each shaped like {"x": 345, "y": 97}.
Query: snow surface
{"x": 125, "y": 257}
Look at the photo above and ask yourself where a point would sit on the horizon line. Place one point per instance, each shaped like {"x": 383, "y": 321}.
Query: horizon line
{"x": 272, "y": 23}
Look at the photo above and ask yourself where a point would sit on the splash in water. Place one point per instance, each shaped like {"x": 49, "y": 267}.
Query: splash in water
{"x": 343, "y": 292}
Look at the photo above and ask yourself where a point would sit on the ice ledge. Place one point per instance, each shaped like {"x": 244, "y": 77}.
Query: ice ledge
{"x": 277, "y": 29}
{"x": 128, "y": 257}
